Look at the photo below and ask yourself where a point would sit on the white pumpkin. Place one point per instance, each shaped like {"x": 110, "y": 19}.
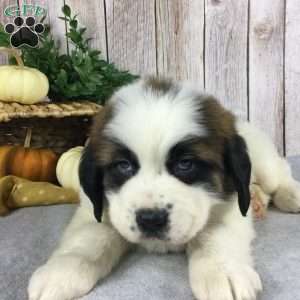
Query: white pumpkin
{"x": 67, "y": 168}
{"x": 22, "y": 84}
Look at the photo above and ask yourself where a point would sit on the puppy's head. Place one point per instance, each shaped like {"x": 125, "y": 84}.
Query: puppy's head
{"x": 160, "y": 156}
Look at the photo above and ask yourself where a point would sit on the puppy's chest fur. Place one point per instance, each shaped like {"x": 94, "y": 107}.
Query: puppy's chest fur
{"x": 158, "y": 246}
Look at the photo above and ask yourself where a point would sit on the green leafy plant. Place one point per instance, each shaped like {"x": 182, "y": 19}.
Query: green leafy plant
{"x": 4, "y": 38}
{"x": 81, "y": 73}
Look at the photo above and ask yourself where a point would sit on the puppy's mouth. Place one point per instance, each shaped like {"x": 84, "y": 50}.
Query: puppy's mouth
{"x": 155, "y": 236}
{"x": 164, "y": 237}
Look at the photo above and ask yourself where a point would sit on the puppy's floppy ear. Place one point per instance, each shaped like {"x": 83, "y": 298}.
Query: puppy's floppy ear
{"x": 238, "y": 165}
{"x": 91, "y": 180}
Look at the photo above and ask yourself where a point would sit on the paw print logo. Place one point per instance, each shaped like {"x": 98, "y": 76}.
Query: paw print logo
{"x": 24, "y": 33}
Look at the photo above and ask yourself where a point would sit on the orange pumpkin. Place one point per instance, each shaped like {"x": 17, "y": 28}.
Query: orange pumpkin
{"x": 4, "y": 154}
{"x": 29, "y": 163}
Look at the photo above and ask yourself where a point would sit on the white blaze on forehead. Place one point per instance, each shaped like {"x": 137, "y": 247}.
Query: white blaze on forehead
{"x": 150, "y": 123}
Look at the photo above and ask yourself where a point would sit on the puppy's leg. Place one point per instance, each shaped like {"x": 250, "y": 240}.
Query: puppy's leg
{"x": 259, "y": 201}
{"x": 271, "y": 172}
{"x": 287, "y": 194}
{"x": 88, "y": 251}
{"x": 220, "y": 262}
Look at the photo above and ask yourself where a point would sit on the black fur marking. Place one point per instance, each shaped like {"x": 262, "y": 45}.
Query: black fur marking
{"x": 91, "y": 180}
{"x": 170, "y": 206}
{"x": 114, "y": 175}
{"x": 238, "y": 167}
{"x": 201, "y": 171}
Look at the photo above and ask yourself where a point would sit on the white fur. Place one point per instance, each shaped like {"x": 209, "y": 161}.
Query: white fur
{"x": 217, "y": 238}
{"x": 189, "y": 213}
{"x": 143, "y": 122}
{"x": 220, "y": 261}
{"x": 88, "y": 251}
{"x": 270, "y": 171}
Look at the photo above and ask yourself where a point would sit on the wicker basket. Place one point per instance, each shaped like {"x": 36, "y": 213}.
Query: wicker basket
{"x": 58, "y": 126}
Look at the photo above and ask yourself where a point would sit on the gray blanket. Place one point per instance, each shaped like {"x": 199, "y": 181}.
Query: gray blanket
{"x": 28, "y": 236}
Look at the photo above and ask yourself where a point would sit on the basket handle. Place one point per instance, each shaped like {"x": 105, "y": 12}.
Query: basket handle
{"x": 28, "y": 137}
{"x": 15, "y": 53}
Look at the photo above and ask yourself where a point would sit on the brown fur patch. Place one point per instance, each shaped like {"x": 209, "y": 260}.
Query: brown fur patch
{"x": 105, "y": 152}
{"x": 208, "y": 151}
{"x": 100, "y": 144}
{"x": 218, "y": 181}
{"x": 100, "y": 120}
{"x": 161, "y": 86}
{"x": 211, "y": 150}
{"x": 220, "y": 124}
{"x": 109, "y": 151}
{"x": 219, "y": 121}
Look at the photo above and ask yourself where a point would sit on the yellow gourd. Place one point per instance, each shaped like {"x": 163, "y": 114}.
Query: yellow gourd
{"x": 67, "y": 168}
{"x": 21, "y": 84}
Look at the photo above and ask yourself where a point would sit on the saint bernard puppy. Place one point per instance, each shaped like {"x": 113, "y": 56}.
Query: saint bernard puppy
{"x": 169, "y": 169}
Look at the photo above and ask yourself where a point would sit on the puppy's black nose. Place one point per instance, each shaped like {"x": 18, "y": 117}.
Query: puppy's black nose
{"x": 152, "y": 221}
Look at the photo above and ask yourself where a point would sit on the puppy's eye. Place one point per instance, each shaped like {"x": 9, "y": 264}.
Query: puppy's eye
{"x": 184, "y": 165}
{"x": 125, "y": 166}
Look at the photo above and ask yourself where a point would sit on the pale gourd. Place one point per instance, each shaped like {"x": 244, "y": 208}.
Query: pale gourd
{"x": 22, "y": 84}
{"x": 67, "y": 168}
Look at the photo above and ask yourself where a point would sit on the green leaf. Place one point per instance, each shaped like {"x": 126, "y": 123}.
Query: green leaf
{"x": 74, "y": 36}
{"x": 81, "y": 74}
{"x": 66, "y": 10}
{"x": 43, "y": 19}
{"x": 94, "y": 53}
{"x": 62, "y": 76}
{"x": 73, "y": 23}
{"x": 82, "y": 30}
{"x": 63, "y": 18}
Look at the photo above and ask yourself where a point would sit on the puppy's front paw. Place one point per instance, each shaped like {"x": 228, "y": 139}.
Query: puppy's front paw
{"x": 288, "y": 198}
{"x": 64, "y": 277}
{"x": 214, "y": 282}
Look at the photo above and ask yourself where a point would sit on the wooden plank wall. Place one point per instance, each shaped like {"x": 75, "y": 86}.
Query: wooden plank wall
{"x": 266, "y": 46}
{"x": 179, "y": 36}
{"x": 245, "y": 52}
{"x": 5, "y": 20}
{"x": 226, "y": 53}
{"x": 292, "y": 77}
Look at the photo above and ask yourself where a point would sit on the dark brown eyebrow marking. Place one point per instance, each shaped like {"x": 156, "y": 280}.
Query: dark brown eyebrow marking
{"x": 206, "y": 149}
